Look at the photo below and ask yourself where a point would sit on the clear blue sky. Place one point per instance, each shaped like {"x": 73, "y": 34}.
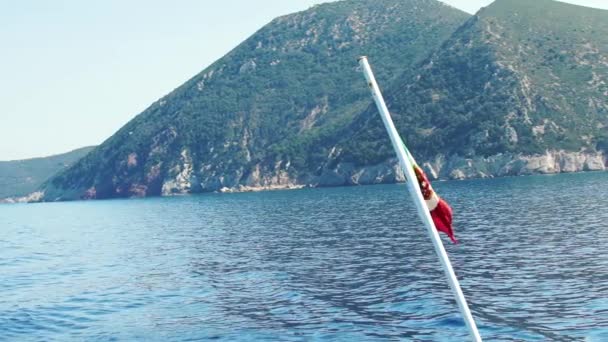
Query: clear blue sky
{"x": 73, "y": 72}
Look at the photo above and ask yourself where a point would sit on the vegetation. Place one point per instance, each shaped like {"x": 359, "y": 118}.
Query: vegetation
{"x": 521, "y": 76}
{"x": 21, "y": 177}
{"x": 281, "y": 96}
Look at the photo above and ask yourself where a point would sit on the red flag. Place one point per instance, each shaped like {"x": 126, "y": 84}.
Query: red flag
{"x": 440, "y": 210}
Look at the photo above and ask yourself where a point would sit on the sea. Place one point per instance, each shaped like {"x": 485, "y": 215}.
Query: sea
{"x": 329, "y": 264}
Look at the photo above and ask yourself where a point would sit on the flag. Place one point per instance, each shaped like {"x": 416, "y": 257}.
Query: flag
{"x": 440, "y": 209}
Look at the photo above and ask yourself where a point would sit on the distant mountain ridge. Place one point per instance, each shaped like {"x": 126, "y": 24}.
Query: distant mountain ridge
{"x": 21, "y": 177}
{"x": 519, "y": 88}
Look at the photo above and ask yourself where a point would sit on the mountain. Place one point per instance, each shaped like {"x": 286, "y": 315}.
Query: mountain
{"x": 21, "y": 177}
{"x": 267, "y": 114}
{"x": 520, "y": 88}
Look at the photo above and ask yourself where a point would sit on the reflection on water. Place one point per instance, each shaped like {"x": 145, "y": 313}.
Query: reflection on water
{"x": 336, "y": 264}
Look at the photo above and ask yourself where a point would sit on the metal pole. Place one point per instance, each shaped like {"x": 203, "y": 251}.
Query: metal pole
{"x": 416, "y": 194}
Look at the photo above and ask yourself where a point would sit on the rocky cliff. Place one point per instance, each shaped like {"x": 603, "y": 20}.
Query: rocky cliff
{"x": 441, "y": 167}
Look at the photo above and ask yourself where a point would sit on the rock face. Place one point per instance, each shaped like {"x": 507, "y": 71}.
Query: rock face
{"x": 33, "y": 197}
{"x": 517, "y": 164}
{"x": 441, "y": 167}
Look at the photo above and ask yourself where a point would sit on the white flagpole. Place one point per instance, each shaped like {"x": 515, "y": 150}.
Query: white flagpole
{"x": 416, "y": 194}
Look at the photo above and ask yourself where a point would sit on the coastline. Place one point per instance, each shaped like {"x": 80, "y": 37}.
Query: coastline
{"x": 346, "y": 174}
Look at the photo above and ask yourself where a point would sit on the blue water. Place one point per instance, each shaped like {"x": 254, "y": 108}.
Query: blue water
{"x": 318, "y": 264}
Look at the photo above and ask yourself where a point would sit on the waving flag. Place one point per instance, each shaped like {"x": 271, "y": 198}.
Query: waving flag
{"x": 440, "y": 210}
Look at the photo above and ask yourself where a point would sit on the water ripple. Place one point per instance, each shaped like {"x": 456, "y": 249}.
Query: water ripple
{"x": 322, "y": 264}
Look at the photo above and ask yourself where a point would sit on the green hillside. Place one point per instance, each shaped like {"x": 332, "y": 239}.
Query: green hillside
{"x": 269, "y": 110}
{"x": 21, "y": 177}
{"x": 519, "y": 88}
{"x": 519, "y": 77}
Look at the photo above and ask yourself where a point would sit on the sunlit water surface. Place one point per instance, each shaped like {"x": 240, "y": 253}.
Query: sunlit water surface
{"x": 318, "y": 264}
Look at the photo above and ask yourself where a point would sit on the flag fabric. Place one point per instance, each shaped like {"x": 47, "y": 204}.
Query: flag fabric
{"x": 440, "y": 210}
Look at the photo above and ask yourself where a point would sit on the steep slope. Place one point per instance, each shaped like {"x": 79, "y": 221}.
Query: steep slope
{"x": 20, "y": 177}
{"x": 266, "y": 114}
{"x": 520, "y": 88}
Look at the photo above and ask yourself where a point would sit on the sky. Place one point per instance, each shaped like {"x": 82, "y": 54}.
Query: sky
{"x": 73, "y": 72}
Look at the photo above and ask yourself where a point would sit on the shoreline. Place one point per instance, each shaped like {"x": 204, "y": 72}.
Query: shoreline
{"x": 36, "y": 197}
